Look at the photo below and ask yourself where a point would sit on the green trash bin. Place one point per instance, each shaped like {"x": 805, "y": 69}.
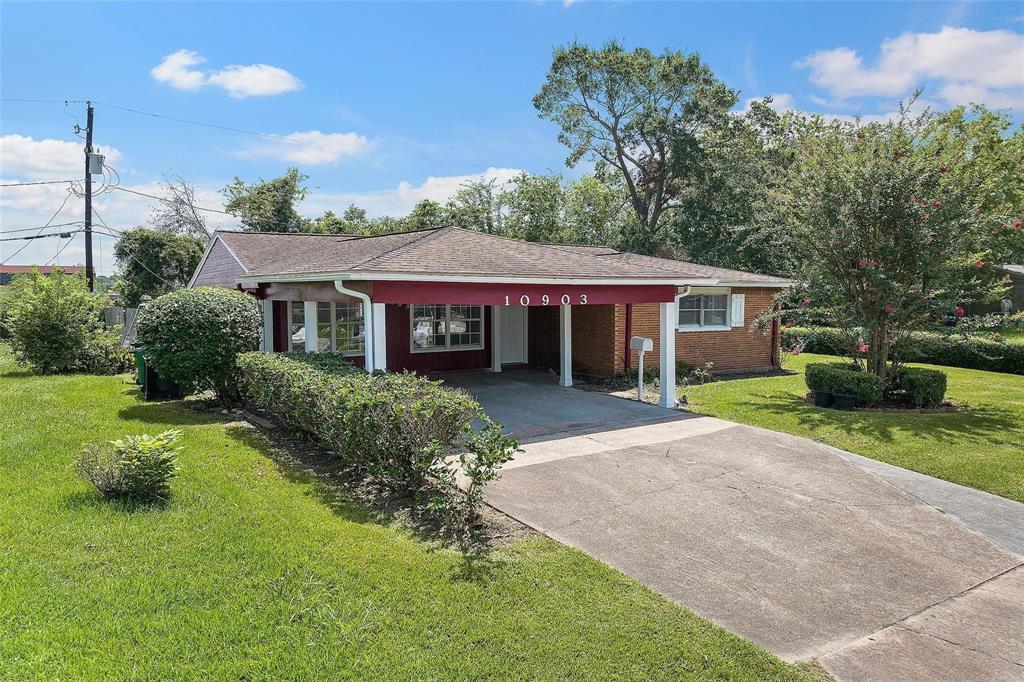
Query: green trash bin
{"x": 151, "y": 383}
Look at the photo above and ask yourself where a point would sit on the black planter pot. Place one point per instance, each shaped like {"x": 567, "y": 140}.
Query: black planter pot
{"x": 823, "y": 398}
{"x": 845, "y": 401}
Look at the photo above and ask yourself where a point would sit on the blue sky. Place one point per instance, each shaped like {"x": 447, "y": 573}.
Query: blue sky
{"x": 392, "y": 103}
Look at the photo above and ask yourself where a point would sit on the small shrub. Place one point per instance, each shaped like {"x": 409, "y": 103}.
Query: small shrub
{"x": 332, "y": 363}
{"x": 104, "y": 354}
{"x": 920, "y": 386}
{"x": 134, "y": 467}
{"x": 193, "y": 336}
{"x": 52, "y": 320}
{"x": 840, "y": 378}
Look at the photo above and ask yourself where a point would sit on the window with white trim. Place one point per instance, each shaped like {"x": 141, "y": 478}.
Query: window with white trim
{"x": 447, "y": 327}
{"x": 340, "y": 327}
{"x": 704, "y": 310}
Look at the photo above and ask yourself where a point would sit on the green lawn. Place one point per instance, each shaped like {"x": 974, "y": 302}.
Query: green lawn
{"x": 981, "y": 447}
{"x": 1013, "y": 335}
{"x": 254, "y": 571}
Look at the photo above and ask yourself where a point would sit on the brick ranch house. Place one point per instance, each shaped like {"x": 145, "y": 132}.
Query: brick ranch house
{"x": 449, "y": 299}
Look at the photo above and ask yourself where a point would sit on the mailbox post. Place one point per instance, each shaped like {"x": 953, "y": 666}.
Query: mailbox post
{"x": 641, "y": 344}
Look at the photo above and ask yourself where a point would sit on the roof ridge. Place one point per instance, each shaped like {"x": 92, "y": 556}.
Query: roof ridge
{"x": 430, "y": 232}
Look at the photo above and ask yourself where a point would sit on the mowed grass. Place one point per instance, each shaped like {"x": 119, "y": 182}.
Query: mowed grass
{"x": 253, "y": 571}
{"x": 981, "y": 446}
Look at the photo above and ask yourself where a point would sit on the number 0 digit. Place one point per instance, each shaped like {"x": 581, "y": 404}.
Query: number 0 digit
{"x": 524, "y": 300}
{"x": 565, "y": 299}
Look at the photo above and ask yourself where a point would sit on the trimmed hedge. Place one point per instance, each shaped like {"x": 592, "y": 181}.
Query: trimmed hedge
{"x": 920, "y": 386}
{"x": 841, "y": 378}
{"x": 934, "y": 348}
{"x": 402, "y": 430}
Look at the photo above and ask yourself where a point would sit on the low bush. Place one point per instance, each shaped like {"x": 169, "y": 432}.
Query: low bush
{"x": 844, "y": 378}
{"x": 104, "y": 354}
{"x": 934, "y": 348}
{"x": 193, "y": 337}
{"x": 332, "y": 363}
{"x": 134, "y": 467}
{"x": 399, "y": 429}
{"x": 920, "y": 386}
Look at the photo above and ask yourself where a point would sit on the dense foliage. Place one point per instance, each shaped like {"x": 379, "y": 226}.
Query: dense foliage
{"x": 935, "y": 348}
{"x": 154, "y": 262}
{"x": 138, "y": 468}
{"x": 193, "y": 336}
{"x": 843, "y": 378}
{"x": 399, "y": 429}
{"x": 54, "y": 325}
{"x": 920, "y": 386}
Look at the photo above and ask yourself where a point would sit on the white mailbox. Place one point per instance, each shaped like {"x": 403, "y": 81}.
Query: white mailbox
{"x": 641, "y": 344}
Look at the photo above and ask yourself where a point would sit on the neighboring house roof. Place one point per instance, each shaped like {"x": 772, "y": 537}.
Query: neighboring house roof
{"x": 452, "y": 251}
{"x": 44, "y": 269}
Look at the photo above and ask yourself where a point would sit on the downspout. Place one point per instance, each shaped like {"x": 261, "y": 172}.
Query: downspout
{"x": 679, "y": 295}
{"x": 629, "y": 334}
{"x": 368, "y": 328}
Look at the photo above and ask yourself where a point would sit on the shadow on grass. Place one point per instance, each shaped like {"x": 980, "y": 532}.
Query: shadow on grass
{"x": 985, "y": 423}
{"x": 168, "y": 412}
{"x": 91, "y": 499}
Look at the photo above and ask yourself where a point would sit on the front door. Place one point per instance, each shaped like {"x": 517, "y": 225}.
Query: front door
{"x": 513, "y": 334}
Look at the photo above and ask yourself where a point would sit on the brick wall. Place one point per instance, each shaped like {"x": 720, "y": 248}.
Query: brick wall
{"x": 599, "y": 338}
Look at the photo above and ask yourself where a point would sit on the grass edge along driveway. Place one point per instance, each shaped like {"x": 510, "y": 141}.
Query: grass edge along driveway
{"x": 981, "y": 446}
{"x": 256, "y": 570}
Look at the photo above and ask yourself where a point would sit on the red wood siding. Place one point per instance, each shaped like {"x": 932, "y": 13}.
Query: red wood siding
{"x": 518, "y": 294}
{"x": 220, "y": 269}
{"x": 400, "y": 355}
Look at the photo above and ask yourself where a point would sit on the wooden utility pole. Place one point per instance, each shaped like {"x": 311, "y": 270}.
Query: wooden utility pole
{"x": 90, "y": 273}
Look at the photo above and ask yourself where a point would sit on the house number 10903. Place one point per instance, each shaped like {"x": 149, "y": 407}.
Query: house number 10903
{"x": 565, "y": 299}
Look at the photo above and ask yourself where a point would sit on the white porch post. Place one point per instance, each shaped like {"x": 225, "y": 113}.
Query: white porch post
{"x": 379, "y": 338}
{"x": 667, "y": 354}
{"x": 566, "y": 336}
{"x": 309, "y": 326}
{"x": 495, "y": 338}
{"x": 267, "y": 340}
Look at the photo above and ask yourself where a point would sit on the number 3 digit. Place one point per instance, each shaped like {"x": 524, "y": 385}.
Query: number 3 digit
{"x": 583, "y": 299}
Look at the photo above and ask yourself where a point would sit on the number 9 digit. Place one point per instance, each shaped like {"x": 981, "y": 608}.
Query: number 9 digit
{"x": 545, "y": 299}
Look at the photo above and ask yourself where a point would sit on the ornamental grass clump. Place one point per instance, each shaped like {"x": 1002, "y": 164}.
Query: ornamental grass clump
{"x": 136, "y": 468}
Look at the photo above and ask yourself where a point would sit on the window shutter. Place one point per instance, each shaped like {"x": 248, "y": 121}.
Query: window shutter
{"x": 738, "y": 302}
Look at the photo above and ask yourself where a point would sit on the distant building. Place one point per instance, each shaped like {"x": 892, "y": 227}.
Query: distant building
{"x": 7, "y": 272}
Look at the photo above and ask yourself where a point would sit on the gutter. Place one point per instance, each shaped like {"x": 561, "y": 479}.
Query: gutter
{"x": 368, "y": 325}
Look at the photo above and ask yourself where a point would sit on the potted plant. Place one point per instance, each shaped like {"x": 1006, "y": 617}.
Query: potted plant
{"x": 823, "y": 397}
{"x": 845, "y": 401}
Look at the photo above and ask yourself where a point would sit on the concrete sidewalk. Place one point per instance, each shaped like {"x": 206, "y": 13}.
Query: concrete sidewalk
{"x": 786, "y": 542}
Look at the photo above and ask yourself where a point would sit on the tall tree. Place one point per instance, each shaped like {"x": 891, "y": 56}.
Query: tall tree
{"x": 154, "y": 262}
{"x": 890, "y": 228}
{"x": 177, "y": 213}
{"x": 478, "y": 205}
{"x": 638, "y": 114}
{"x": 269, "y": 205}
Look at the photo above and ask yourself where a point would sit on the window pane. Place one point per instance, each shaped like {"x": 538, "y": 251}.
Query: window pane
{"x": 428, "y": 326}
{"x": 689, "y": 303}
{"x": 349, "y": 328}
{"x": 689, "y": 317}
{"x": 296, "y": 326}
{"x": 714, "y": 317}
{"x": 716, "y": 302}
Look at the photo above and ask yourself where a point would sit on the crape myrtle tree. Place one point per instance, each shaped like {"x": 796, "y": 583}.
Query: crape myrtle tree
{"x": 890, "y": 227}
{"x": 638, "y": 115}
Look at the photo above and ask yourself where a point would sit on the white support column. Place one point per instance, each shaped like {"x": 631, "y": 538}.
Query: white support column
{"x": 565, "y": 333}
{"x": 379, "y": 338}
{"x": 267, "y": 340}
{"x": 667, "y": 354}
{"x": 309, "y": 326}
{"x": 495, "y": 338}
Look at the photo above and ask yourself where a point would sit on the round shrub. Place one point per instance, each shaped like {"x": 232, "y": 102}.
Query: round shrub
{"x": 920, "y": 386}
{"x": 193, "y": 336}
{"x": 840, "y": 378}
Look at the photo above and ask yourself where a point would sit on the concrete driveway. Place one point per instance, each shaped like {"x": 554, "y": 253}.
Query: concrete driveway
{"x": 782, "y": 540}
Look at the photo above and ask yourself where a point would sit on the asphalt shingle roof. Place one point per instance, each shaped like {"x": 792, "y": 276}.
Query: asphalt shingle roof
{"x": 455, "y": 251}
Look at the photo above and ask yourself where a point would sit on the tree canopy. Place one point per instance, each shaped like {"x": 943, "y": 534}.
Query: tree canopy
{"x": 154, "y": 262}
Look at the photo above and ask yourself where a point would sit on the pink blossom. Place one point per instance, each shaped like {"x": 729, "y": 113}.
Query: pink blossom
{"x": 863, "y": 347}
{"x": 796, "y": 350}
{"x": 942, "y": 169}
{"x": 960, "y": 311}
{"x": 804, "y": 303}
{"x": 1017, "y": 224}
{"x": 887, "y": 309}
{"x": 979, "y": 264}
{"x": 937, "y": 204}
{"x": 789, "y": 323}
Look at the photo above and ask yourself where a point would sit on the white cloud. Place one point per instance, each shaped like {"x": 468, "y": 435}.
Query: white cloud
{"x": 176, "y": 71}
{"x": 781, "y": 101}
{"x": 312, "y": 148}
{"x": 984, "y": 63}
{"x": 254, "y": 80}
{"x": 400, "y": 200}
{"x": 29, "y": 159}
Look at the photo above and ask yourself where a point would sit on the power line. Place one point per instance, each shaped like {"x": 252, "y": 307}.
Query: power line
{"x": 168, "y": 201}
{"x": 41, "y": 182}
{"x": 36, "y": 227}
{"x": 52, "y": 218}
{"x": 39, "y": 236}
